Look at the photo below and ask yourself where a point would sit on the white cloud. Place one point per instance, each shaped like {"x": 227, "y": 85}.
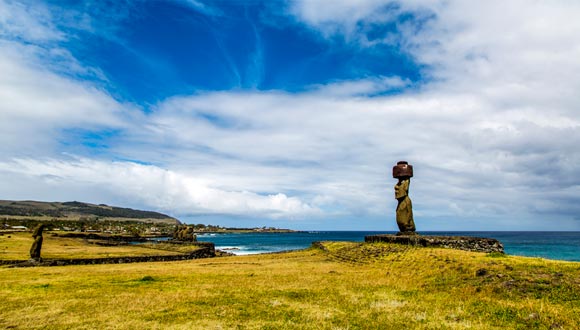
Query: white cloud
{"x": 36, "y": 104}
{"x": 42, "y": 94}
{"x": 342, "y": 17}
{"x": 27, "y": 22}
{"x": 147, "y": 185}
{"x": 362, "y": 87}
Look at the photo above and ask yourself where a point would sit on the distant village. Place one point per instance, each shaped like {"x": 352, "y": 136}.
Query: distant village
{"x": 115, "y": 227}
{"x": 99, "y": 218}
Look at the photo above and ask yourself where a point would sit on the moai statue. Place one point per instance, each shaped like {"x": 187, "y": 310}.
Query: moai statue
{"x": 190, "y": 236}
{"x": 175, "y": 232}
{"x": 37, "y": 245}
{"x": 403, "y": 172}
{"x": 182, "y": 233}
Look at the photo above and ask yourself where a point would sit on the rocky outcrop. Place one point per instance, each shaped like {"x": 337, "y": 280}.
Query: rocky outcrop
{"x": 475, "y": 244}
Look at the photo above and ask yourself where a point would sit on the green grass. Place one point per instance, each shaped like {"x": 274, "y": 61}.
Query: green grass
{"x": 348, "y": 286}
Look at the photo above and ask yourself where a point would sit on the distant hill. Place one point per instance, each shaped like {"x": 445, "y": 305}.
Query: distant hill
{"x": 78, "y": 210}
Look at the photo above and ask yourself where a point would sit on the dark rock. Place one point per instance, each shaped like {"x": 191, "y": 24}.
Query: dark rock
{"x": 475, "y": 244}
{"x": 481, "y": 272}
{"x": 221, "y": 253}
{"x": 406, "y": 233}
{"x": 319, "y": 245}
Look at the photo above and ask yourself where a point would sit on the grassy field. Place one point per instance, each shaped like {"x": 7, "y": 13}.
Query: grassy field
{"x": 16, "y": 246}
{"x": 342, "y": 286}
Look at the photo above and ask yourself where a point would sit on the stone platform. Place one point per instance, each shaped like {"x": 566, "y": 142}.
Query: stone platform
{"x": 475, "y": 244}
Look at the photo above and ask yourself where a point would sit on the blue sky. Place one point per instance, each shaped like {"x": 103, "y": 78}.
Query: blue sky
{"x": 292, "y": 113}
{"x": 238, "y": 45}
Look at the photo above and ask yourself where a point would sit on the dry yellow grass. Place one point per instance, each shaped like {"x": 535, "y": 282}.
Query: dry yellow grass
{"x": 16, "y": 246}
{"x": 349, "y": 286}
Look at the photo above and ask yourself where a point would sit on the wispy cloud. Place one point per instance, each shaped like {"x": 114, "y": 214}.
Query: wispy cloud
{"x": 256, "y": 61}
{"x": 36, "y": 103}
{"x": 150, "y": 185}
{"x": 27, "y": 22}
{"x": 201, "y": 7}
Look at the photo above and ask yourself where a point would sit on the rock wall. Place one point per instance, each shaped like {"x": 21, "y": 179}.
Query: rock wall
{"x": 103, "y": 237}
{"x": 475, "y": 244}
{"x": 207, "y": 250}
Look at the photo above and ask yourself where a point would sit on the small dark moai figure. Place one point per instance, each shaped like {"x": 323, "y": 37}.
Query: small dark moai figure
{"x": 403, "y": 172}
{"x": 37, "y": 245}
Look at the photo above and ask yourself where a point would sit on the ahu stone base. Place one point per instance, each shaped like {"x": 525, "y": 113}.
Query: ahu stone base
{"x": 475, "y": 244}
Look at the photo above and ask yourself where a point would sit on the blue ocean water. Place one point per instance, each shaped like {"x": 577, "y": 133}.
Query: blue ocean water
{"x": 549, "y": 245}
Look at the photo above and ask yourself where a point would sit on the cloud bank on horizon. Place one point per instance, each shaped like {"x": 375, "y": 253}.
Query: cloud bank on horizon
{"x": 292, "y": 113}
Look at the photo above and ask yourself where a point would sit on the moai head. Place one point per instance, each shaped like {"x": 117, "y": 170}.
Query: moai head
{"x": 38, "y": 230}
{"x": 402, "y": 171}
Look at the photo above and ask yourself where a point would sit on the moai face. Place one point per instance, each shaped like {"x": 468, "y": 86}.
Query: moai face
{"x": 402, "y": 188}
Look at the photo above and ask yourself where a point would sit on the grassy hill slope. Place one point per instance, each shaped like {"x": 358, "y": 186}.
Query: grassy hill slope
{"x": 78, "y": 210}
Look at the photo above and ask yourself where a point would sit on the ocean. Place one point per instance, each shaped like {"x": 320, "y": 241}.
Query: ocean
{"x": 549, "y": 245}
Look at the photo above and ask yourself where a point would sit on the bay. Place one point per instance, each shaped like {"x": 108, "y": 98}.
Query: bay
{"x": 549, "y": 245}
